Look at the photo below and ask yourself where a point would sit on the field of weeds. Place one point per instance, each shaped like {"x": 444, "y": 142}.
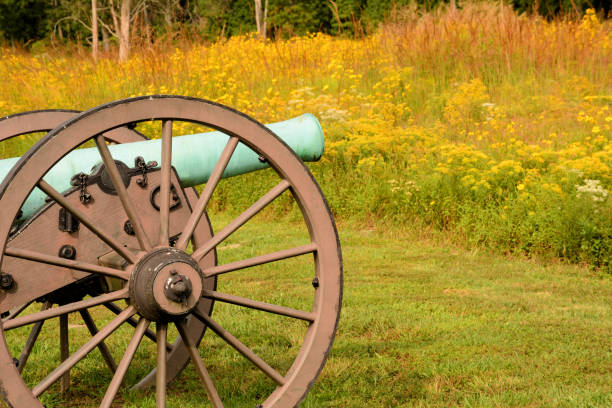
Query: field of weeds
{"x": 491, "y": 127}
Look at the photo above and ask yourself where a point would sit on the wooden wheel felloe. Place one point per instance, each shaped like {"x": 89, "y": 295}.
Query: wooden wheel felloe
{"x": 33, "y": 122}
{"x": 153, "y": 268}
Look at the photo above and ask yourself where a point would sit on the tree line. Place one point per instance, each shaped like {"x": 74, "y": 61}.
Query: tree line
{"x": 114, "y": 21}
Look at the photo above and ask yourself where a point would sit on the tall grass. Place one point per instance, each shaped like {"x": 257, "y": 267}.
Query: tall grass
{"x": 487, "y": 125}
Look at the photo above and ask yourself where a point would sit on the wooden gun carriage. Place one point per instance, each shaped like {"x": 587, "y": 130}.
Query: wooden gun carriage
{"x": 94, "y": 217}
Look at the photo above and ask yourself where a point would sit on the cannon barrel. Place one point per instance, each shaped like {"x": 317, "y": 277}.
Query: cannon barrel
{"x": 193, "y": 156}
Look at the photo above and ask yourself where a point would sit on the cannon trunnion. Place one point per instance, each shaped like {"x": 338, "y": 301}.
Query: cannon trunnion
{"x": 117, "y": 230}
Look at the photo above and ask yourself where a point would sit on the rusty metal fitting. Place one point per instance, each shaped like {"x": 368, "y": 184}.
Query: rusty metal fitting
{"x": 6, "y": 281}
{"x": 67, "y": 252}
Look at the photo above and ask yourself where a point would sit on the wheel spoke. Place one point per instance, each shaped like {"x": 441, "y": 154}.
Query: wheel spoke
{"x": 211, "y": 390}
{"x": 128, "y": 205}
{"x": 93, "y": 329}
{"x": 16, "y": 312}
{"x": 124, "y": 364}
{"x": 211, "y": 184}
{"x": 132, "y": 322}
{"x": 67, "y": 263}
{"x": 160, "y": 375}
{"x": 259, "y": 260}
{"x": 241, "y": 219}
{"x": 64, "y": 351}
{"x": 166, "y": 174}
{"x": 33, "y": 336}
{"x": 83, "y": 351}
{"x": 85, "y": 220}
{"x": 68, "y": 308}
{"x": 254, "y": 304}
{"x": 241, "y": 348}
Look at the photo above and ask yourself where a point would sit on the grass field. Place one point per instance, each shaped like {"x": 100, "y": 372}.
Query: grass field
{"x": 423, "y": 325}
{"x": 434, "y": 326}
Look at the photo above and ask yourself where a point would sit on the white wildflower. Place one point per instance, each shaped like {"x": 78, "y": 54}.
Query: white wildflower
{"x": 594, "y": 189}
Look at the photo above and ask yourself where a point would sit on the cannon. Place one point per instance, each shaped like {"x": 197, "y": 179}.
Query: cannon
{"x": 99, "y": 224}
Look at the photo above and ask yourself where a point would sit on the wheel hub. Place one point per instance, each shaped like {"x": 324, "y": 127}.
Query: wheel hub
{"x": 178, "y": 287}
{"x": 166, "y": 284}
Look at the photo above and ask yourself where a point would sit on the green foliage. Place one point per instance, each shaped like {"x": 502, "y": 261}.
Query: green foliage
{"x": 550, "y": 8}
{"x": 240, "y": 17}
{"x": 32, "y": 20}
{"x": 24, "y": 20}
{"x": 291, "y": 17}
{"x": 212, "y": 16}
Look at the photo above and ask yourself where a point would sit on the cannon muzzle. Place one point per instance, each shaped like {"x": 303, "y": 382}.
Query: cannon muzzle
{"x": 193, "y": 156}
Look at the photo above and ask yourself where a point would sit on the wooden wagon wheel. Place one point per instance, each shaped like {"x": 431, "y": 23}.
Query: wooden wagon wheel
{"x": 157, "y": 275}
{"x": 43, "y": 121}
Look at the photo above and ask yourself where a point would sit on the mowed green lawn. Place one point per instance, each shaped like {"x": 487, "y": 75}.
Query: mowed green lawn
{"x": 422, "y": 325}
{"x": 429, "y": 326}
